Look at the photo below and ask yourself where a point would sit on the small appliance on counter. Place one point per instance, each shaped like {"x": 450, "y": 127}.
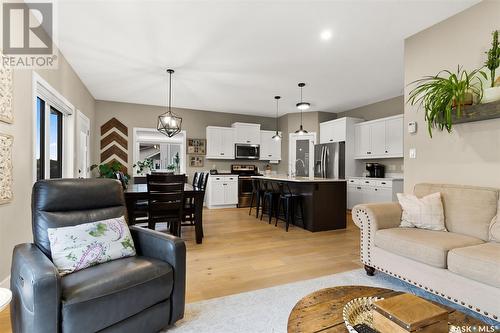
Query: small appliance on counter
{"x": 375, "y": 170}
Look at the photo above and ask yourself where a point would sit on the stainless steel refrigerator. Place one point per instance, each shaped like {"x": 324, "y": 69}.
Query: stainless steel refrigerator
{"x": 329, "y": 160}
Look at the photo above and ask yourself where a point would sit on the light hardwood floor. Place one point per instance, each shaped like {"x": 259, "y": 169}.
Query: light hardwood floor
{"x": 240, "y": 253}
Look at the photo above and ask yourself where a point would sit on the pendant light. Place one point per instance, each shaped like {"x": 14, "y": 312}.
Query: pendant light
{"x": 277, "y": 136}
{"x": 302, "y": 106}
{"x": 169, "y": 123}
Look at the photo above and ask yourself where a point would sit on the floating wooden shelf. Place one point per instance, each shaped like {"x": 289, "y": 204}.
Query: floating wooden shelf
{"x": 478, "y": 112}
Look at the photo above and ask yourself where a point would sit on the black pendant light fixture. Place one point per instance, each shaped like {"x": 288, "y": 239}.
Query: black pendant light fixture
{"x": 302, "y": 106}
{"x": 277, "y": 136}
{"x": 169, "y": 123}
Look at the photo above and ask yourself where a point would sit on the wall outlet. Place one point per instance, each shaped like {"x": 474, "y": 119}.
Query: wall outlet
{"x": 412, "y": 153}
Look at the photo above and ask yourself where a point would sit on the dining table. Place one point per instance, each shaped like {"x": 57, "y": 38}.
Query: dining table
{"x": 137, "y": 192}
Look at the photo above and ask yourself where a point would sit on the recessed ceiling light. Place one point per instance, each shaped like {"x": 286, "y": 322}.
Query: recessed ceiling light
{"x": 326, "y": 34}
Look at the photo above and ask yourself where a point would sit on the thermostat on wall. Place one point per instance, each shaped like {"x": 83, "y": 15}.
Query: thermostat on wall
{"x": 412, "y": 127}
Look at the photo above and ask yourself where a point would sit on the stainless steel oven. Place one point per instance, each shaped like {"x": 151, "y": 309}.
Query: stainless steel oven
{"x": 246, "y": 151}
{"x": 245, "y": 188}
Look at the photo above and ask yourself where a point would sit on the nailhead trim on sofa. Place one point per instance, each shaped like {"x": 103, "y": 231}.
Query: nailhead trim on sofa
{"x": 368, "y": 262}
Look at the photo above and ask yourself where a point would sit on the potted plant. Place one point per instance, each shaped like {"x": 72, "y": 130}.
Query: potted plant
{"x": 177, "y": 162}
{"x": 492, "y": 93}
{"x": 445, "y": 95}
{"x": 143, "y": 167}
{"x": 114, "y": 170}
{"x": 171, "y": 168}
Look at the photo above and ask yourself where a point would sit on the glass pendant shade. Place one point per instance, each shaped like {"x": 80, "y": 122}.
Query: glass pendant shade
{"x": 303, "y": 106}
{"x": 277, "y": 136}
{"x": 169, "y": 123}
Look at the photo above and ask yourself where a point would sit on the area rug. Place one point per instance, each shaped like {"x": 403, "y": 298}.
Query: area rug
{"x": 267, "y": 310}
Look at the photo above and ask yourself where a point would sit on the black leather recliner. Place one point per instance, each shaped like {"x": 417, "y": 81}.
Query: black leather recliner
{"x": 144, "y": 293}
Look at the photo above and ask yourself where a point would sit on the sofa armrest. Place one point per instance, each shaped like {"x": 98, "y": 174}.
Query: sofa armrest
{"x": 378, "y": 215}
{"x": 36, "y": 288}
{"x": 370, "y": 218}
{"x": 168, "y": 248}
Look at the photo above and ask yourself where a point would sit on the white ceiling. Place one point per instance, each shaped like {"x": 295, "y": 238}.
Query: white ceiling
{"x": 234, "y": 56}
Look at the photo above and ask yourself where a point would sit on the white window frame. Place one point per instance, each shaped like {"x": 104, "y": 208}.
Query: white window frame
{"x": 151, "y": 135}
{"x": 42, "y": 89}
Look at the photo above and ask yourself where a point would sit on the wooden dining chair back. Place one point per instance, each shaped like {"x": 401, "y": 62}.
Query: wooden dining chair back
{"x": 204, "y": 182}
{"x": 201, "y": 179}
{"x": 166, "y": 200}
{"x": 196, "y": 178}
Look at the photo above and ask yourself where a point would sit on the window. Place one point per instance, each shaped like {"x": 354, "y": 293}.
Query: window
{"x": 49, "y": 133}
{"x": 53, "y": 133}
{"x": 162, "y": 154}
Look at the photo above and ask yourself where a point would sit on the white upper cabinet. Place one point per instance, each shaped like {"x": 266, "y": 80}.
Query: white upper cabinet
{"x": 247, "y": 133}
{"x": 333, "y": 131}
{"x": 381, "y": 138}
{"x": 270, "y": 149}
{"x": 220, "y": 142}
{"x": 394, "y": 136}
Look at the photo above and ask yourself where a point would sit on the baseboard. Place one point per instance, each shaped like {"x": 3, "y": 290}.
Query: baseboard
{"x": 5, "y": 283}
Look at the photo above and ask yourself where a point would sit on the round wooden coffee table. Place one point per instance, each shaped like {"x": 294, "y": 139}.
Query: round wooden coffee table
{"x": 321, "y": 311}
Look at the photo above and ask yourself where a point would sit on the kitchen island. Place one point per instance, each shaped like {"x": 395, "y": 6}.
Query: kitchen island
{"x": 324, "y": 200}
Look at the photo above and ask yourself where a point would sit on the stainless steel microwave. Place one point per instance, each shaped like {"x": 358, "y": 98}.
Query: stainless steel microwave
{"x": 246, "y": 151}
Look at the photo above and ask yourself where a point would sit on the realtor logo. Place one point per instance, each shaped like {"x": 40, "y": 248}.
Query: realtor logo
{"x": 27, "y": 35}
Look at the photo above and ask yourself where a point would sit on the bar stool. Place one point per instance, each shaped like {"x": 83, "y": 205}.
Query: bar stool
{"x": 257, "y": 194}
{"x": 269, "y": 200}
{"x": 289, "y": 202}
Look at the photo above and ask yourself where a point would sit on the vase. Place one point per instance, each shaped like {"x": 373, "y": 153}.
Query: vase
{"x": 491, "y": 95}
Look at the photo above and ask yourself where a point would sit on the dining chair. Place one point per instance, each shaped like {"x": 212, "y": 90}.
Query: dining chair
{"x": 189, "y": 208}
{"x": 196, "y": 177}
{"x": 166, "y": 201}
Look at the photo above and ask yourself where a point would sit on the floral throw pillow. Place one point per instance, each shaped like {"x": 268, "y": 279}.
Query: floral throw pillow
{"x": 78, "y": 247}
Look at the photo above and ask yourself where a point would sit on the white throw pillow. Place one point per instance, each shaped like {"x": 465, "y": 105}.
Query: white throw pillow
{"x": 423, "y": 213}
{"x": 495, "y": 230}
{"x": 81, "y": 246}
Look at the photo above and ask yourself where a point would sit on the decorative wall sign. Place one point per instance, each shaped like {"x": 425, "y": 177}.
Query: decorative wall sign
{"x": 114, "y": 142}
{"x": 6, "y": 94}
{"x": 196, "y": 161}
{"x": 196, "y": 146}
{"x": 5, "y": 168}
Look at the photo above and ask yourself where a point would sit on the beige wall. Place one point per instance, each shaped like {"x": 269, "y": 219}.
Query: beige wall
{"x": 15, "y": 217}
{"x": 193, "y": 121}
{"x": 382, "y": 109}
{"x": 470, "y": 154}
{"x": 290, "y": 122}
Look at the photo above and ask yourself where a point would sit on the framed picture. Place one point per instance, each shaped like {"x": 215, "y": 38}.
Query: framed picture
{"x": 196, "y": 146}
{"x": 196, "y": 161}
{"x": 6, "y": 95}
{"x": 5, "y": 168}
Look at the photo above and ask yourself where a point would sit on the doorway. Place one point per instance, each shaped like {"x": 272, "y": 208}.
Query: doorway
{"x": 83, "y": 146}
{"x": 301, "y": 153}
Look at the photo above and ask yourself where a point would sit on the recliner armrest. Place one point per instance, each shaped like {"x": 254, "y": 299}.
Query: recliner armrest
{"x": 168, "y": 248}
{"x": 36, "y": 288}
{"x": 378, "y": 215}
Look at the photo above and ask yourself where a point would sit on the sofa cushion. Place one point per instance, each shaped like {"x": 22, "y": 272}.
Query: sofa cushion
{"x": 479, "y": 262}
{"x": 427, "y": 246}
{"x": 100, "y": 296}
{"x": 468, "y": 210}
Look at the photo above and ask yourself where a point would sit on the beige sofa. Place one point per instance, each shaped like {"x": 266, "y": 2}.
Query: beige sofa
{"x": 460, "y": 265}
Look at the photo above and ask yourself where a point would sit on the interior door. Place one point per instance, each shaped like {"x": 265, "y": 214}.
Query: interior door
{"x": 83, "y": 146}
{"x": 301, "y": 152}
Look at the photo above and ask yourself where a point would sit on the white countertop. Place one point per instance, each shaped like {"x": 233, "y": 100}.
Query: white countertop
{"x": 374, "y": 178}
{"x": 299, "y": 179}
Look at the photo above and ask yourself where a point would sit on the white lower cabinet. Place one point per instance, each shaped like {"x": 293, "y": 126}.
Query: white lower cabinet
{"x": 222, "y": 191}
{"x": 372, "y": 190}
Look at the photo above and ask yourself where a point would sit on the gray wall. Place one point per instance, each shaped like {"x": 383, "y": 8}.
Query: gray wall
{"x": 193, "y": 121}
{"x": 470, "y": 154}
{"x": 15, "y": 217}
{"x": 382, "y": 109}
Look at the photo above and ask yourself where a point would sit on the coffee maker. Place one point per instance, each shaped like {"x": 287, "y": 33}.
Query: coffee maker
{"x": 375, "y": 170}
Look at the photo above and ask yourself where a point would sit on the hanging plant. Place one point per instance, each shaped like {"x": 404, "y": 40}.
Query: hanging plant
{"x": 445, "y": 95}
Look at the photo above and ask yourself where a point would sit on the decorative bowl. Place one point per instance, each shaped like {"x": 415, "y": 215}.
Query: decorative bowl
{"x": 359, "y": 311}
